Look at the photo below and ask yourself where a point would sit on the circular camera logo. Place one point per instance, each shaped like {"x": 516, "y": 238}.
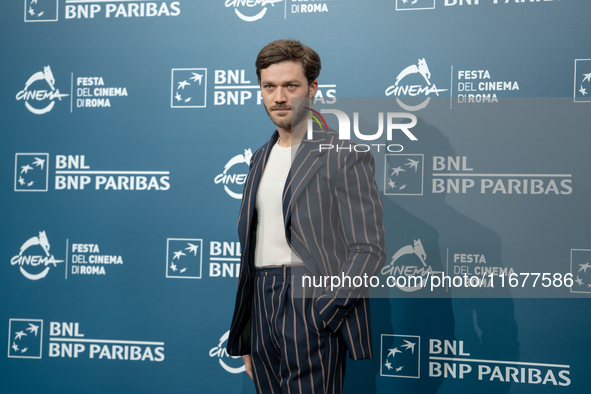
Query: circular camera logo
{"x": 34, "y": 260}
{"x": 403, "y": 265}
{"x": 414, "y": 81}
{"x": 256, "y": 5}
{"x": 235, "y": 173}
{"x": 40, "y": 92}
{"x": 229, "y": 363}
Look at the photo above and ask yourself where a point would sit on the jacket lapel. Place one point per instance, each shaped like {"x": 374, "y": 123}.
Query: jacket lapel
{"x": 305, "y": 165}
{"x": 257, "y": 170}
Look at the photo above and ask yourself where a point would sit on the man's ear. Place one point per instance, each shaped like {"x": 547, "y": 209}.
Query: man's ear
{"x": 313, "y": 88}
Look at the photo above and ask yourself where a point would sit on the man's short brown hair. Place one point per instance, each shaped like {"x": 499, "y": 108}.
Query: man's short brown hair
{"x": 289, "y": 50}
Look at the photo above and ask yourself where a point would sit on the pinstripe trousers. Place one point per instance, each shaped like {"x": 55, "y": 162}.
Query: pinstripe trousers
{"x": 291, "y": 350}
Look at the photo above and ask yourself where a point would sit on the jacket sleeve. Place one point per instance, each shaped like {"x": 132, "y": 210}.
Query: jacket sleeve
{"x": 361, "y": 211}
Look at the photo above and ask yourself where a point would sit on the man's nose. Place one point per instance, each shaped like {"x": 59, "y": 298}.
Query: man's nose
{"x": 280, "y": 96}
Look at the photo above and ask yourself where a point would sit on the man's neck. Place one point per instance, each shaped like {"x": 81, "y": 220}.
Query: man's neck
{"x": 291, "y": 137}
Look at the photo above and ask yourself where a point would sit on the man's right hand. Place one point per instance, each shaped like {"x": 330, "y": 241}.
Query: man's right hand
{"x": 248, "y": 364}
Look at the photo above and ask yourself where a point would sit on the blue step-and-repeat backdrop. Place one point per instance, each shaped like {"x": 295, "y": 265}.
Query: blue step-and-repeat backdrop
{"x": 127, "y": 129}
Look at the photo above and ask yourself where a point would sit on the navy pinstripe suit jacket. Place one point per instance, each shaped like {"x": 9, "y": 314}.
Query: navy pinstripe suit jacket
{"x": 333, "y": 222}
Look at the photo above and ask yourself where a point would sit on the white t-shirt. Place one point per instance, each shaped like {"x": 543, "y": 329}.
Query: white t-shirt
{"x": 271, "y": 244}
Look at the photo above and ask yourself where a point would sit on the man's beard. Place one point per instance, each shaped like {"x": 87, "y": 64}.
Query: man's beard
{"x": 298, "y": 114}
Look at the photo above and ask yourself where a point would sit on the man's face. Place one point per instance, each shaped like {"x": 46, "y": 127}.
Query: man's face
{"x": 279, "y": 83}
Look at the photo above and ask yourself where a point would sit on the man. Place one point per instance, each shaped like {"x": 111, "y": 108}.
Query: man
{"x": 308, "y": 212}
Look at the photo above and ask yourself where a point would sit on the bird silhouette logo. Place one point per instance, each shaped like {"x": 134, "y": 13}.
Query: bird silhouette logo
{"x": 583, "y": 81}
{"x": 407, "y": 5}
{"x": 31, "y": 172}
{"x": 189, "y": 88}
{"x": 25, "y": 338}
{"x": 400, "y": 356}
{"x": 41, "y": 10}
{"x": 403, "y": 174}
{"x": 184, "y": 258}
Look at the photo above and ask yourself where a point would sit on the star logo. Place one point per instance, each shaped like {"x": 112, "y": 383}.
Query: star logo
{"x": 398, "y": 356}
{"x": 30, "y": 172}
{"x": 411, "y": 5}
{"x": 582, "y": 81}
{"x": 19, "y": 335}
{"x": 25, "y": 338}
{"x": 188, "y": 88}
{"x": 409, "y": 345}
{"x": 581, "y": 274}
{"x": 33, "y": 328}
{"x": 396, "y": 171}
{"x": 192, "y": 248}
{"x": 184, "y": 265}
{"x": 41, "y": 10}
{"x": 403, "y": 174}
{"x": 413, "y": 164}
{"x": 392, "y": 352}
{"x": 197, "y": 78}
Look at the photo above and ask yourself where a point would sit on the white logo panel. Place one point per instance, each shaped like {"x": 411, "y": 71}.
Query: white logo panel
{"x": 188, "y": 88}
{"x": 25, "y": 338}
{"x": 184, "y": 258}
{"x": 582, "y": 91}
{"x": 30, "y": 172}
{"x": 414, "y": 5}
{"x": 400, "y": 356}
{"x": 403, "y": 174}
{"x": 41, "y": 10}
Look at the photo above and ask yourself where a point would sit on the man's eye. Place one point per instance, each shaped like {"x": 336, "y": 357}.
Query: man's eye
{"x": 292, "y": 86}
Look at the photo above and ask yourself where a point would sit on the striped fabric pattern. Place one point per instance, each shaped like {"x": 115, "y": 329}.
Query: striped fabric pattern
{"x": 333, "y": 215}
{"x": 291, "y": 350}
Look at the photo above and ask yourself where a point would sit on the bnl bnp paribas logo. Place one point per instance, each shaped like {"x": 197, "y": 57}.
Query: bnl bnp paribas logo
{"x": 452, "y": 359}
{"x": 413, "y": 5}
{"x": 231, "y": 87}
{"x": 66, "y": 340}
{"x": 41, "y": 10}
{"x": 47, "y": 10}
{"x": 582, "y": 90}
{"x": 400, "y": 356}
{"x": 25, "y": 337}
{"x": 413, "y": 88}
{"x": 184, "y": 257}
{"x": 30, "y": 172}
{"x": 580, "y": 268}
{"x": 188, "y": 88}
{"x": 403, "y": 174}
{"x": 40, "y": 93}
